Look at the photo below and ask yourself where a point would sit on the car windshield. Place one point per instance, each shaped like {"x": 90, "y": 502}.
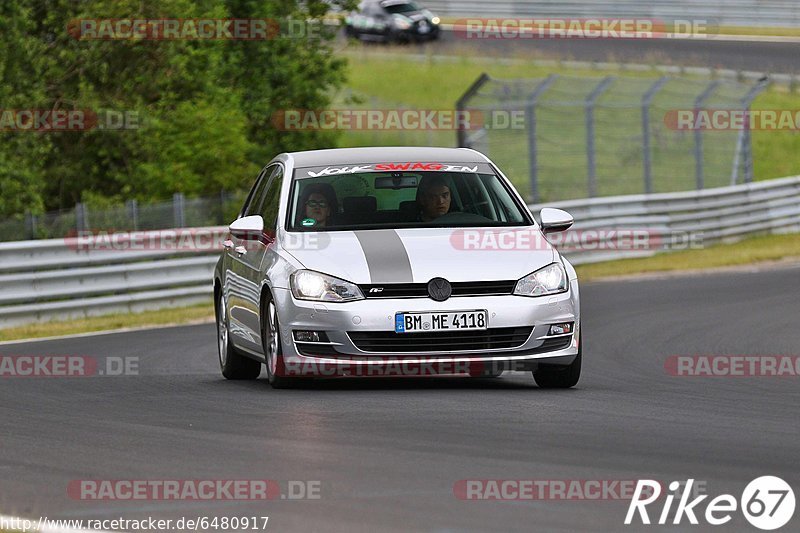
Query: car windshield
{"x": 404, "y": 7}
{"x": 401, "y": 199}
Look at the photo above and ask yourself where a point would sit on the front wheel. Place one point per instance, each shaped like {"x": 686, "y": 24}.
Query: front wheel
{"x": 232, "y": 364}
{"x": 271, "y": 338}
{"x": 557, "y": 376}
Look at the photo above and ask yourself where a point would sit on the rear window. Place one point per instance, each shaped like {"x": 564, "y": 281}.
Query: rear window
{"x": 358, "y": 197}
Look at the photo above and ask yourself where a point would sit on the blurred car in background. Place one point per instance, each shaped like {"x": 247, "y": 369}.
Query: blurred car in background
{"x": 399, "y": 21}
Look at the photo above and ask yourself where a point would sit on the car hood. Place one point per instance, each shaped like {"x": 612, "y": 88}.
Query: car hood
{"x": 416, "y": 16}
{"x": 420, "y": 254}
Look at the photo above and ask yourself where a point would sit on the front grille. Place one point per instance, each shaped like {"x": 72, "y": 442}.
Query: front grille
{"x": 420, "y": 290}
{"x": 440, "y": 341}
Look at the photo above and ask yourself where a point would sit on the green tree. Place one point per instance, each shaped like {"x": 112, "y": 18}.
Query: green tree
{"x": 203, "y": 107}
{"x": 296, "y": 70}
{"x": 22, "y": 155}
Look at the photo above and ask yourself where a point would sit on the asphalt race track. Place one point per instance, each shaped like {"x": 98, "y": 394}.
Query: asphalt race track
{"x": 765, "y": 57}
{"x": 388, "y": 452}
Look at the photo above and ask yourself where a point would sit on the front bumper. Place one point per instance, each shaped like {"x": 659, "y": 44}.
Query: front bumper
{"x": 338, "y": 354}
{"x": 414, "y": 34}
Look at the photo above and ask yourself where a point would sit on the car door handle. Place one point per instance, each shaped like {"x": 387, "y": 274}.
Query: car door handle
{"x": 241, "y": 250}
{"x": 227, "y": 243}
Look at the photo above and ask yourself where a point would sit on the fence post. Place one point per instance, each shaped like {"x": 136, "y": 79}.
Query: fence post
{"x": 698, "y": 133}
{"x": 647, "y": 100}
{"x": 178, "y": 215}
{"x": 461, "y": 106}
{"x": 30, "y": 225}
{"x": 744, "y": 145}
{"x": 737, "y": 154}
{"x": 530, "y": 119}
{"x": 81, "y": 218}
{"x": 590, "y": 155}
{"x": 747, "y": 145}
{"x": 133, "y": 213}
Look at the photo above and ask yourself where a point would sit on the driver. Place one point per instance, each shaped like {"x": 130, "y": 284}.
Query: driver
{"x": 433, "y": 198}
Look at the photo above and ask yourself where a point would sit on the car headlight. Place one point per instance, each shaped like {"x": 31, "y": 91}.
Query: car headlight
{"x": 551, "y": 279}
{"x": 436, "y": 20}
{"x": 401, "y": 22}
{"x": 310, "y": 285}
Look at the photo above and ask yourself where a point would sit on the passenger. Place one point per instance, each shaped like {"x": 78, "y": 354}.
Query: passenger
{"x": 318, "y": 204}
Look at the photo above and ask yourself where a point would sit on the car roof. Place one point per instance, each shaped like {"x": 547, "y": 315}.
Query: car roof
{"x": 385, "y": 154}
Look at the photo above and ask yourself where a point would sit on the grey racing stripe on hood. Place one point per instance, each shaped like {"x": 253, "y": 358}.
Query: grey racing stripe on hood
{"x": 387, "y": 259}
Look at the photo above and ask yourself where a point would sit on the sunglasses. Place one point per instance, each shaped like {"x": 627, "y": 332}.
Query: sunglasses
{"x": 317, "y": 203}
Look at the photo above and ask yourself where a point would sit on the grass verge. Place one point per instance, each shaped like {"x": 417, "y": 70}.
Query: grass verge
{"x": 752, "y": 250}
{"x": 176, "y": 315}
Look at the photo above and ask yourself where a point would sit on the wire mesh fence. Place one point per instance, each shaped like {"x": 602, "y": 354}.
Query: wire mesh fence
{"x": 131, "y": 216}
{"x": 587, "y": 137}
{"x": 580, "y": 137}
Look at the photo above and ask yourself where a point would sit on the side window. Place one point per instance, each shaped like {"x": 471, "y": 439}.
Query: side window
{"x": 253, "y": 202}
{"x": 269, "y": 210}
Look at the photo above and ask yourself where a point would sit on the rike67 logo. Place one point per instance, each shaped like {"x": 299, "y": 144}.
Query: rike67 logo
{"x": 767, "y": 503}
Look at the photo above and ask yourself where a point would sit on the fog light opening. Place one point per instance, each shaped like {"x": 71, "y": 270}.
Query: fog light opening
{"x": 308, "y": 336}
{"x": 563, "y": 328}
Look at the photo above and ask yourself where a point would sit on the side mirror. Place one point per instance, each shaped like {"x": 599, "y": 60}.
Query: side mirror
{"x": 249, "y": 228}
{"x": 555, "y": 220}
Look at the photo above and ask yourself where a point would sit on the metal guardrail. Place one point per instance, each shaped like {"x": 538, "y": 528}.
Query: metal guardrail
{"x": 60, "y": 279}
{"x": 55, "y": 279}
{"x": 782, "y": 13}
{"x": 710, "y": 216}
{"x": 180, "y": 212}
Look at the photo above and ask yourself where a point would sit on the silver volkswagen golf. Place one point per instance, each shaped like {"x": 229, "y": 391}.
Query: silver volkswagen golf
{"x": 394, "y": 261}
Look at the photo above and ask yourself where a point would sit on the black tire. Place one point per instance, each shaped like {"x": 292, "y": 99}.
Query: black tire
{"x": 559, "y": 376}
{"x": 273, "y": 348}
{"x": 232, "y": 363}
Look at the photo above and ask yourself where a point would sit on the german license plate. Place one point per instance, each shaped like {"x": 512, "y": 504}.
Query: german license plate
{"x": 450, "y": 321}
